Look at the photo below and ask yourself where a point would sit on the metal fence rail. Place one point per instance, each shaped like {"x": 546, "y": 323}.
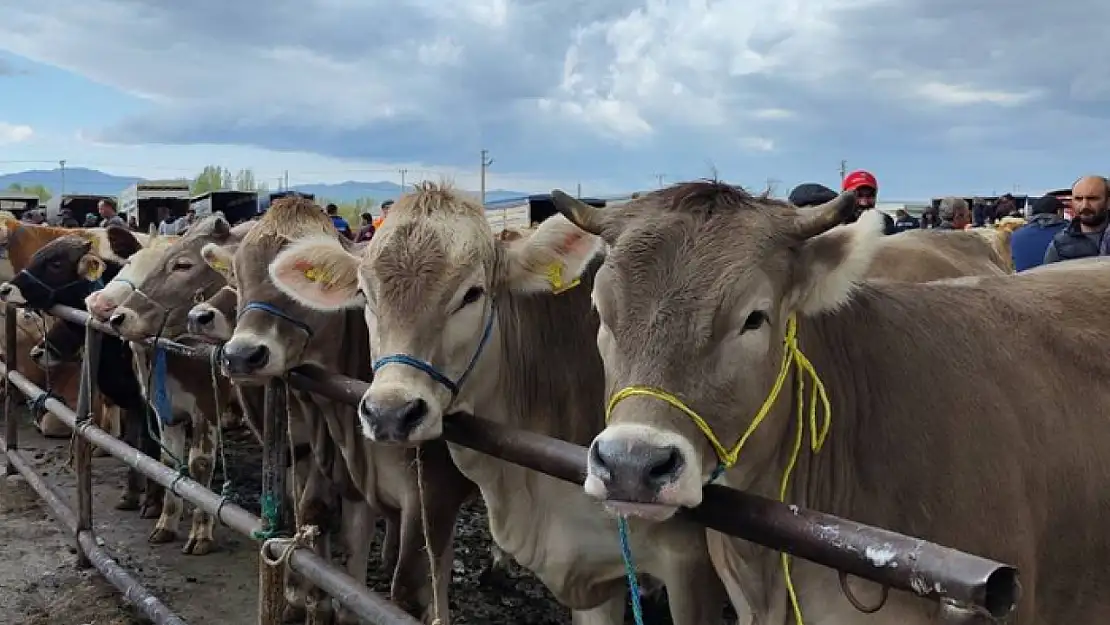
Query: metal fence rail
{"x": 920, "y": 567}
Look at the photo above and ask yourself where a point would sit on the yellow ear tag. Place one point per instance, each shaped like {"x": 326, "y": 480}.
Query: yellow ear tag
{"x": 95, "y": 273}
{"x": 219, "y": 266}
{"x": 555, "y": 277}
{"x": 312, "y": 273}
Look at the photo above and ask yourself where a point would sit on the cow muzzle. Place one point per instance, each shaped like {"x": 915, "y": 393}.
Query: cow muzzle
{"x": 10, "y": 294}
{"x": 202, "y": 321}
{"x": 643, "y": 472}
{"x": 45, "y": 357}
{"x": 397, "y": 418}
{"x": 245, "y": 358}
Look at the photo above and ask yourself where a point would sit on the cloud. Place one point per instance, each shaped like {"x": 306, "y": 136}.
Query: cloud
{"x": 569, "y": 87}
{"x": 13, "y": 133}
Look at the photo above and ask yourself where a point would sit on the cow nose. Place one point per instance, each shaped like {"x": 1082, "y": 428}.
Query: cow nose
{"x": 245, "y": 358}
{"x": 634, "y": 471}
{"x": 393, "y": 423}
{"x": 116, "y": 320}
{"x": 202, "y": 317}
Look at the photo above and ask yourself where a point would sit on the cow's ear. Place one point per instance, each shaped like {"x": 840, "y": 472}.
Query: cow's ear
{"x": 318, "y": 273}
{"x": 122, "y": 242}
{"x": 830, "y": 265}
{"x": 219, "y": 259}
{"x": 90, "y": 267}
{"x": 553, "y": 258}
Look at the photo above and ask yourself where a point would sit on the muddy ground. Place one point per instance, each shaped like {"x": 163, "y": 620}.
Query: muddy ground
{"x": 40, "y": 585}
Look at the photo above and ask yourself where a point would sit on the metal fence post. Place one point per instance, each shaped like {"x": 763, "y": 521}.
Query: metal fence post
{"x": 82, "y": 448}
{"x": 275, "y": 447}
{"x": 11, "y": 422}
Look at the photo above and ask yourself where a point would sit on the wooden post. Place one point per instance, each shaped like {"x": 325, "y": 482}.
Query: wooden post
{"x": 82, "y": 448}
{"x": 11, "y": 422}
{"x": 275, "y": 447}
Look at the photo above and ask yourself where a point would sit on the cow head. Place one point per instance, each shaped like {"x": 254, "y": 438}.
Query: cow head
{"x": 273, "y": 332}
{"x": 215, "y": 317}
{"x": 64, "y": 271}
{"x": 103, "y": 303}
{"x": 62, "y": 344}
{"x": 429, "y": 283}
{"x": 174, "y": 281}
{"x": 694, "y": 299}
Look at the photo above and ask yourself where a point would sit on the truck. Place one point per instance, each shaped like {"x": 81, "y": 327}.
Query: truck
{"x": 236, "y": 206}
{"x": 17, "y": 202}
{"x": 143, "y": 200}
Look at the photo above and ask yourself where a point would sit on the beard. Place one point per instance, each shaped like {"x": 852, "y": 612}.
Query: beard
{"x": 1091, "y": 217}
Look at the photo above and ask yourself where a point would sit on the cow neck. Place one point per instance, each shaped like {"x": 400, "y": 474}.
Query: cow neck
{"x": 542, "y": 371}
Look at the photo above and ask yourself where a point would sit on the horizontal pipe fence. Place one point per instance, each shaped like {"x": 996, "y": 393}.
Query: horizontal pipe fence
{"x": 928, "y": 570}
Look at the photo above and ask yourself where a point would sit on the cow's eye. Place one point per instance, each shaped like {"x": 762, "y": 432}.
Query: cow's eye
{"x": 472, "y": 295}
{"x": 754, "y": 321}
{"x": 182, "y": 265}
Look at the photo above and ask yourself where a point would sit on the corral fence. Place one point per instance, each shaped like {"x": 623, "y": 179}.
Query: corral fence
{"x": 956, "y": 579}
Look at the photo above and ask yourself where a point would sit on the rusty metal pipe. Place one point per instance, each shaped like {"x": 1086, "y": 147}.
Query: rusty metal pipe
{"x": 924, "y": 568}
{"x": 132, "y": 590}
{"x": 363, "y": 602}
{"x": 889, "y": 558}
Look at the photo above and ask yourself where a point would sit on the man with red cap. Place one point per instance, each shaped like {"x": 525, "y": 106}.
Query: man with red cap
{"x": 866, "y": 188}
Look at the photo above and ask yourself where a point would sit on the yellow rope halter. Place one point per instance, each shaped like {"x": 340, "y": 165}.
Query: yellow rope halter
{"x": 728, "y": 457}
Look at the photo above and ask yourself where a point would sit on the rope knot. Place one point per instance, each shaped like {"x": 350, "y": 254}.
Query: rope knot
{"x": 304, "y": 537}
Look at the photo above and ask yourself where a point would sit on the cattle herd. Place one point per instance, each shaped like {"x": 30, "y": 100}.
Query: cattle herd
{"x": 695, "y": 334}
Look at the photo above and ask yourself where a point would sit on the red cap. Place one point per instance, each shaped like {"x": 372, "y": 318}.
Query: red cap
{"x": 860, "y": 178}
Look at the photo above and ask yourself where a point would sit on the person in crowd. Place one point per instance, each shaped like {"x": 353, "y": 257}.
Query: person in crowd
{"x": 930, "y": 219}
{"x": 108, "y": 214}
{"x": 906, "y": 221}
{"x": 182, "y": 225}
{"x": 866, "y": 187}
{"x": 385, "y": 213}
{"x": 811, "y": 194}
{"x": 67, "y": 220}
{"x": 167, "y": 225}
{"x": 1083, "y": 236}
{"x": 133, "y": 224}
{"x": 365, "y": 227}
{"x": 1007, "y": 207}
{"x": 1030, "y": 242}
{"x": 337, "y": 220}
{"x": 953, "y": 213}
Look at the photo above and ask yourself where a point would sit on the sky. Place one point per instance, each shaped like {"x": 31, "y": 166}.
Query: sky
{"x": 935, "y": 97}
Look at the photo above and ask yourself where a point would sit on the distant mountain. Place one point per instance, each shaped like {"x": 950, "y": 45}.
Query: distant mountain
{"x": 81, "y": 181}
{"x": 78, "y": 181}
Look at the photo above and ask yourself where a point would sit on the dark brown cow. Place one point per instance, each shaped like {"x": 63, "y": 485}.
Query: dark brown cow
{"x": 991, "y": 449}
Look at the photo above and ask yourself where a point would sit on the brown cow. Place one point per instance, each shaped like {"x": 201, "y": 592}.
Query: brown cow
{"x": 274, "y": 334}
{"x": 445, "y": 298}
{"x": 923, "y": 255}
{"x": 701, "y": 284}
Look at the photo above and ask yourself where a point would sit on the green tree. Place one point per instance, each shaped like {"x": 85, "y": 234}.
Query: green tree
{"x": 34, "y": 189}
{"x": 212, "y": 178}
{"x": 245, "y": 180}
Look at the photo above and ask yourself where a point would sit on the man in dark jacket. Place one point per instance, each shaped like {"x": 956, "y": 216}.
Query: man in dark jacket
{"x": 811, "y": 194}
{"x": 1083, "y": 236}
{"x": 906, "y": 221}
{"x": 1030, "y": 242}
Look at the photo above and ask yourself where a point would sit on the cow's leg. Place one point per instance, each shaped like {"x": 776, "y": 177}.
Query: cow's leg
{"x": 356, "y": 532}
{"x": 154, "y": 493}
{"x": 106, "y": 417}
{"x": 165, "y": 530}
{"x": 694, "y": 592}
{"x": 609, "y": 613}
{"x": 129, "y": 498}
{"x": 202, "y": 459}
{"x": 391, "y": 542}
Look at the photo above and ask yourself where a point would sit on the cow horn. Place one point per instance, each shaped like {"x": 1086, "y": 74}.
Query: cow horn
{"x": 578, "y": 212}
{"x": 815, "y": 220}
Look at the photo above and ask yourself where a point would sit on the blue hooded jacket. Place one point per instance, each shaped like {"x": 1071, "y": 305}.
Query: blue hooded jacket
{"x": 1030, "y": 242}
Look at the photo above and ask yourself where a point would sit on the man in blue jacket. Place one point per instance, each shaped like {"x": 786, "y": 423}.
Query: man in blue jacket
{"x": 1030, "y": 242}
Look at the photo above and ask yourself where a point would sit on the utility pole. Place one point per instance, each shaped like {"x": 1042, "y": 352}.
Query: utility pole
{"x": 62, "y": 165}
{"x": 579, "y": 190}
{"x": 659, "y": 178}
{"x": 486, "y": 162}
{"x": 403, "y": 172}
{"x": 286, "y": 181}
{"x": 843, "y": 169}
